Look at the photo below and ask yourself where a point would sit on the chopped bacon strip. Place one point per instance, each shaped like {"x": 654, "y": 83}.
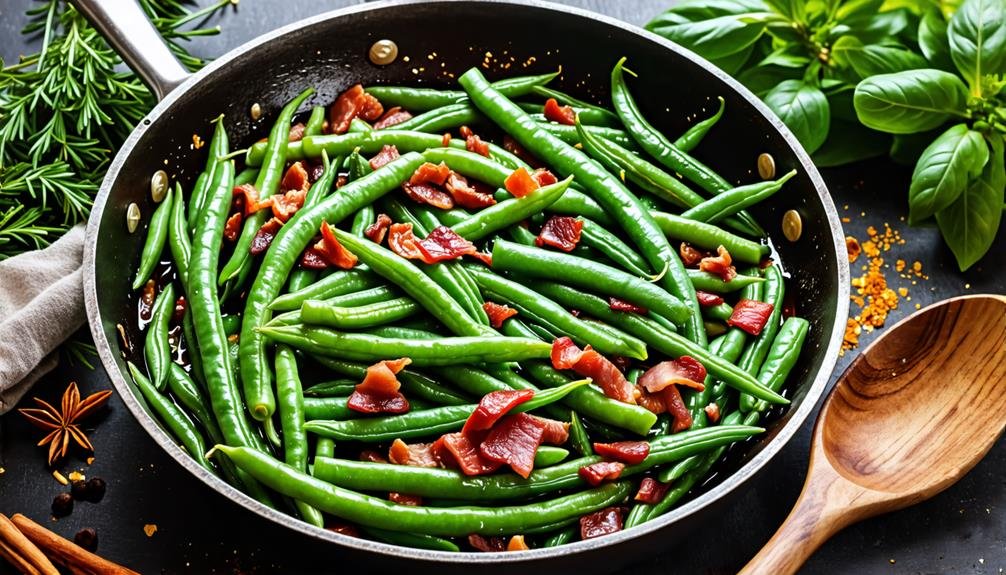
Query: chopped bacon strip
{"x": 690, "y": 256}
{"x": 379, "y": 390}
{"x": 677, "y": 408}
{"x": 487, "y": 544}
{"x": 344, "y": 529}
{"x": 473, "y": 143}
{"x": 296, "y": 132}
{"x": 651, "y": 491}
{"x": 233, "y": 226}
{"x": 750, "y": 315}
{"x": 350, "y": 104}
{"x": 543, "y": 177}
{"x": 442, "y": 244}
{"x": 520, "y": 183}
{"x": 493, "y": 406}
{"x": 603, "y": 522}
{"x": 712, "y": 412}
{"x": 403, "y": 242}
{"x": 295, "y": 185}
{"x": 445, "y": 140}
{"x": 556, "y": 432}
{"x": 685, "y": 370}
{"x": 332, "y": 251}
{"x": 467, "y": 195}
{"x": 719, "y": 265}
{"x": 403, "y": 499}
{"x": 247, "y": 195}
{"x": 517, "y": 543}
{"x": 562, "y": 232}
{"x": 653, "y": 402}
{"x": 511, "y": 145}
{"x": 387, "y": 155}
{"x": 597, "y": 473}
{"x": 707, "y": 299}
{"x": 483, "y": 257}
{"x": 341, "y": 180}
{"x": 376, "y": 231}
{"x": 415, "y": 454}
{"x": 514, "y": 441}
{"x": 264, "y": 236}
{"x": 561, "y": 114}
{"x": 391, "y": 117}
{"x": 628, "y": 452}
{"x": 312, "y": 260}
{"x": 429, "y": 173}
{"x": 372, "y": 456}
{"x": 427, "y": 194}
{"x": 589, "y": 363}
{"x": 498, "y": 313}
{"x": 617, "y": 304}
{"x": 296, "y": 178}
{"x": 315, "y": 173}
{"x": 464, "y": 452}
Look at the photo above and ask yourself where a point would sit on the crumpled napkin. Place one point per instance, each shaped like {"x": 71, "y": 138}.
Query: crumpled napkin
{"x": 41, "y": 305}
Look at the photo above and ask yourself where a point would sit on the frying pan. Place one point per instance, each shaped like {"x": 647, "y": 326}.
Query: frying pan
{"x": 443, "y": 38}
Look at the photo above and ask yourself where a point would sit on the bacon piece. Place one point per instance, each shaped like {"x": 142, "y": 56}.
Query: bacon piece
{"x": 264, "y": 236}
{"x": 343, "y": 528}
{"x": 464, "y": 452}
{"x": 442, "y": 244}
{"x": 379, "y": 390}
{"x": 332, "y": 251}
{"x": 313, "y": 260}
{"x": 372, "y": 108}
{"x": 296, "y": 178}
{"x": 511, "y": 145}
{"x": 597, "y": 473}
{"x": 651, "y": 491}
{"x": 376, "y": 231}
{"x": 677, "y": 408}
{"x": 562, "y": 232}
{"x": 415, "y": 454}
{"x": 372, "y": 456}
{"x": 467, "y": 195}
{"x": 498, "y": 313}
{"x": 517, "y": 543}
{"x": 712, "y": 412}
{"x": 685, "y": 370}
{"x": 561, "y": 114}
{"x": 247, "y": 196}
{"x": 483, "y": 257}
{"x": 707, "y": 299}
{"x": 719, "y": 265}
{"x": 315, "y": 173}
{"x": 403, "y": 242}
{"x": 653, "y": 402}
{"x": 520, "y": 183}
{"x": 589, "y": 363}
{"x": 750, "y": 315}
{"x": 426, "y": 194}
{"x": 391, "y": 117}
{"x": 493, "y": 406}
{"x": 603, "y": 522}
{"x": 487, "y": 544}
{"x": 617, "y": 304}
{"x": 514, "y": 441}
{"x": 296, "y": 133}
{"x": 233, "y": 226}
{"x": 473, "y": 143}
{"x": 350, "y": 104}
{"x": 341, "y": 180}
{"x": 690, "y": 256}
{"x": 387, "y": 155}
{"x": 430, "y": 173}
{"x": 285, "y": 205}
{"x": 403, "y": 499}
{"x": 556, "y": 432}
{"x": 543, "y": 177}
{"x": 628, "y": 452}
{"x": 445, "y": 140}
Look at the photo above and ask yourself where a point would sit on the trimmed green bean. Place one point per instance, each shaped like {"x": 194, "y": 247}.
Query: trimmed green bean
{"x": 156, "y": 348}
{"x": 710, "y": 237}
{"x": 157, "y": 234}
{"x": 177, "y": 423}
{"x": 340, "y": 283}
{"x": 734, "y": 200}
{"x": 693, "y": 136}
{"x": 783, "y": 356}
{"x": 706, "y": 281}
{"x": 425, "y": 99}
{"x": 178, "y": 237}
{"x": 370, "y": 315}
{"x": 290, "y": 399}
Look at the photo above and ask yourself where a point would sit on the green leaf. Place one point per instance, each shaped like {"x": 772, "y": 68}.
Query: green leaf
{"x": 884, "y": 25}
{"x": 697, "y": 10}
{"x": 793, "y": 10}
{"x": 734, "y": 62}
{"x": 787, "y": 57}
{"x": 933, "y": 40}
{"x": 907, "y": 148}
{"x": 944, "y": 170}
{"x": 916, "y": 6}
{"x": 977, "y": 35}
{"x": 850, "y": 142}
{"x": 873, "y": 59}
{"x": 804, "y": 109}
{"x": 715, "y": 38}
{"x": 855, "y": 12}
{"x": 761, "y": 79}
{"x": 970, "y": 224}
{"x": 907, "y": 102}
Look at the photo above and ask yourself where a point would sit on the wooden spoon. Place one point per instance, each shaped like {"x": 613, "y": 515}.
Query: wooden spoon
{"x": 909, "y": 417}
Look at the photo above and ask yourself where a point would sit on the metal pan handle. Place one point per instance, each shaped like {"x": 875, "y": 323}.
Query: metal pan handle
{"x": 129, "y": 32}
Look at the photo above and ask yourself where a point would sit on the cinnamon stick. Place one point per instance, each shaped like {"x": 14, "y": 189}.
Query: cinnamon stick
{"x": 19, "y": 545}
{"x": 67, "y": 552}
{"x": 19, "y": 562}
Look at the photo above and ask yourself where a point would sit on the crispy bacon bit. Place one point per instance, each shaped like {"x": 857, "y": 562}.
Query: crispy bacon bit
{"x": 403, "y": 242}
{"x": 296, "y": 132}
{"x": 233, "y": 226}
{"x": 296, "y": 178}
{"x": 487, "y": 544}
{"x": 511, "y": 145}
{"x": 316, "y": 172}
{"x": 372, "y": 456}
{"x": 750, "y": 315}
{"x": 295, "y": 185}
{"x": 719, "y": 265}
{"x": 147, "y": 298}
{"x": 712, "y": 412}
{"x": 561, "y": 114}
{"x": 498, "y": 313}
{"x": 589, "y": 363}
{"x": 628, "y": 452}
{"x": 403, "y": 499}
{"x": 467, "y": 195}
{"x": 464, "y": 452}
{"x": 391, "y": 117}
{"x": 617, "y": 304}
{"x": 343, "y": 528}
{"x": 514, "y": 441}
{"x": 517, "y": 544}
{"x": 442, "y": 244}
{"x": 332, "y": 251}
{"x": 415, "y": 454}
{"x": 376, "y": 231}
{"x": 483, "y": 257}
{"x": 597, "y": 473}
{"x": 429, "y": 173}
{"x": 707, "y": 299}
{"x": 651, "y": 491}
{"x": 677, "y": 408}
{"x": 556, "y": 432}
{"x": 603, "y": 522}
{"x": 445, "y": 140}
{"x": 493, "y": 406}
{"x": 312, "y": 260}
{"x": 690, "y": 256}
{"x": 685, "y": 371}
{"x": 473, "y": 143}
{"x": 350, "y": 104}
{"x": 341, "y": 180}
{"x": 247, "y": 196}
{"x": 562, "y": 232}
{"x": 379, "y": 390}
{"x": 543, "y": 177}
{"x": 387, "y": 155}
{"x": 650, "y": 401}
{"x": 520, "y": 183}
{"x": 426, "y": 194}
{"x": 264, "y": 236}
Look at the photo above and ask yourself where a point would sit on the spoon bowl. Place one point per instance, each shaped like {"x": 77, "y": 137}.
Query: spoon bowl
{"x": 909, "y": 417}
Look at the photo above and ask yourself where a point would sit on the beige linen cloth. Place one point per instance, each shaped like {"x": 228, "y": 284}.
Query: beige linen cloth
{"x": 41, "y": 305}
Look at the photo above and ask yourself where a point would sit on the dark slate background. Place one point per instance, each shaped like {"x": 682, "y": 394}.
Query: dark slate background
{"x": 962, "y": 530}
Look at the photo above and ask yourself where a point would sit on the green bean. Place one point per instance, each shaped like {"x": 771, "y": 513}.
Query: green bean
{"x": 783, "y": 356}
{"x": 522, "y": 236}
{"x": 755, "y": 354}
{"x": 547, "y": 456}
{"x": 379, "y": 313}
{"x": 588, "y": 116}
{"x": 693, "y": 136}
{"x": 732, "y": 201}
{"x": 324, "y": 447}
{"x": 442, "y": 119}
{"x": 721, "y": 312}
{"x": 315, "y": 122}
{"x": 290, "y": 399}
{"x": 576, "y": 203}
{"x": 191, "y": 398}
{"x": 706, "y": 281}
{"x": 192, "y": 347}
{"x": 424, "y": 99}
{"x": 172, "y": 417}
{"x": 710, "y": 237}
{"x": 353, "y": 369}
{"x": 157, "y": 349}
{"x": 340, "y": 283}
{"x": 301, "y": 278}
{"x": 247, "y": 176}
{"x": 570, "y": 135}
{"x": 578, "y": 436}
{"x": 416, "y": 540}
{"x": 566, "y": 99}
{"x": 594, "y": 236}
{"x": 334, "y": 388}
{"x": 358, "y": 125}
{"x": 218, "y": 148}
{"x": 563, "y": 536}
{"x": 157, "y": 234}
{"x": 510, "y": 212}
{"x": 178, "y": 237}
{"x": 199, "y": 190}
{"x": 416, "y": 385}
{"x": 327, "y": 408}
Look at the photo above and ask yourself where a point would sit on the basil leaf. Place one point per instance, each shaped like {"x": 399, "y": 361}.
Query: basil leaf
{"x": 969, "y": 225}
{"x": 804, "y": 109}
{"x": 906, "y": 149}
{"x": 944, "y": 170}
{"x": 696, "y": 10}
{"x": 793, "y": 10}
{"x": 787, "y": 57}
{"x": 761, "y": 79}
{"x": 850, "y": 142}
{"x": 715, "y": 38}
{"x": 855, "y": 12}
{"x": 933, "y": 40}
{"x": 734, "y": 62}
{"x": 873, "y": 60}
{"x": 977, "y": 35}
{"x": 884, "y": 25}
{"x": 907, "y": 102}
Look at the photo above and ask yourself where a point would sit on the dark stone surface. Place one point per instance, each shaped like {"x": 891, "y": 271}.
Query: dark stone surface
{"x": 962, "y": 530}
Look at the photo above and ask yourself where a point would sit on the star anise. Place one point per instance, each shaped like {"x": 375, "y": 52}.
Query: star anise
{"x": 62, "y": 424}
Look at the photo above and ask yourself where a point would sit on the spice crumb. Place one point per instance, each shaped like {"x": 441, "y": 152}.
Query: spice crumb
{"x": 60, "y": 478}
{"x": 197, "y": 142}
{"x": 967, "y": 286}
{"x": 150, "y": 529}
{"x": 76, "y": 476}
{"x": 90, "y": 460}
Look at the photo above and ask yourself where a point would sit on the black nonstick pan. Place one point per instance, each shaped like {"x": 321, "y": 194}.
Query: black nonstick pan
{"x": 437, "y": 41}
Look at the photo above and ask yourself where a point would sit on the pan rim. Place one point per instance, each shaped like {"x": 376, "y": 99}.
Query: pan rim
{"x": 797, "y": 416}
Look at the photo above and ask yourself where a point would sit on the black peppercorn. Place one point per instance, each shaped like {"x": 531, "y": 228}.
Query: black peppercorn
{"x": 87, "y": 538}
{"x": 78, "y": 489}
{"x": 94, "y": 489}
{"x": 62, "y": 505}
